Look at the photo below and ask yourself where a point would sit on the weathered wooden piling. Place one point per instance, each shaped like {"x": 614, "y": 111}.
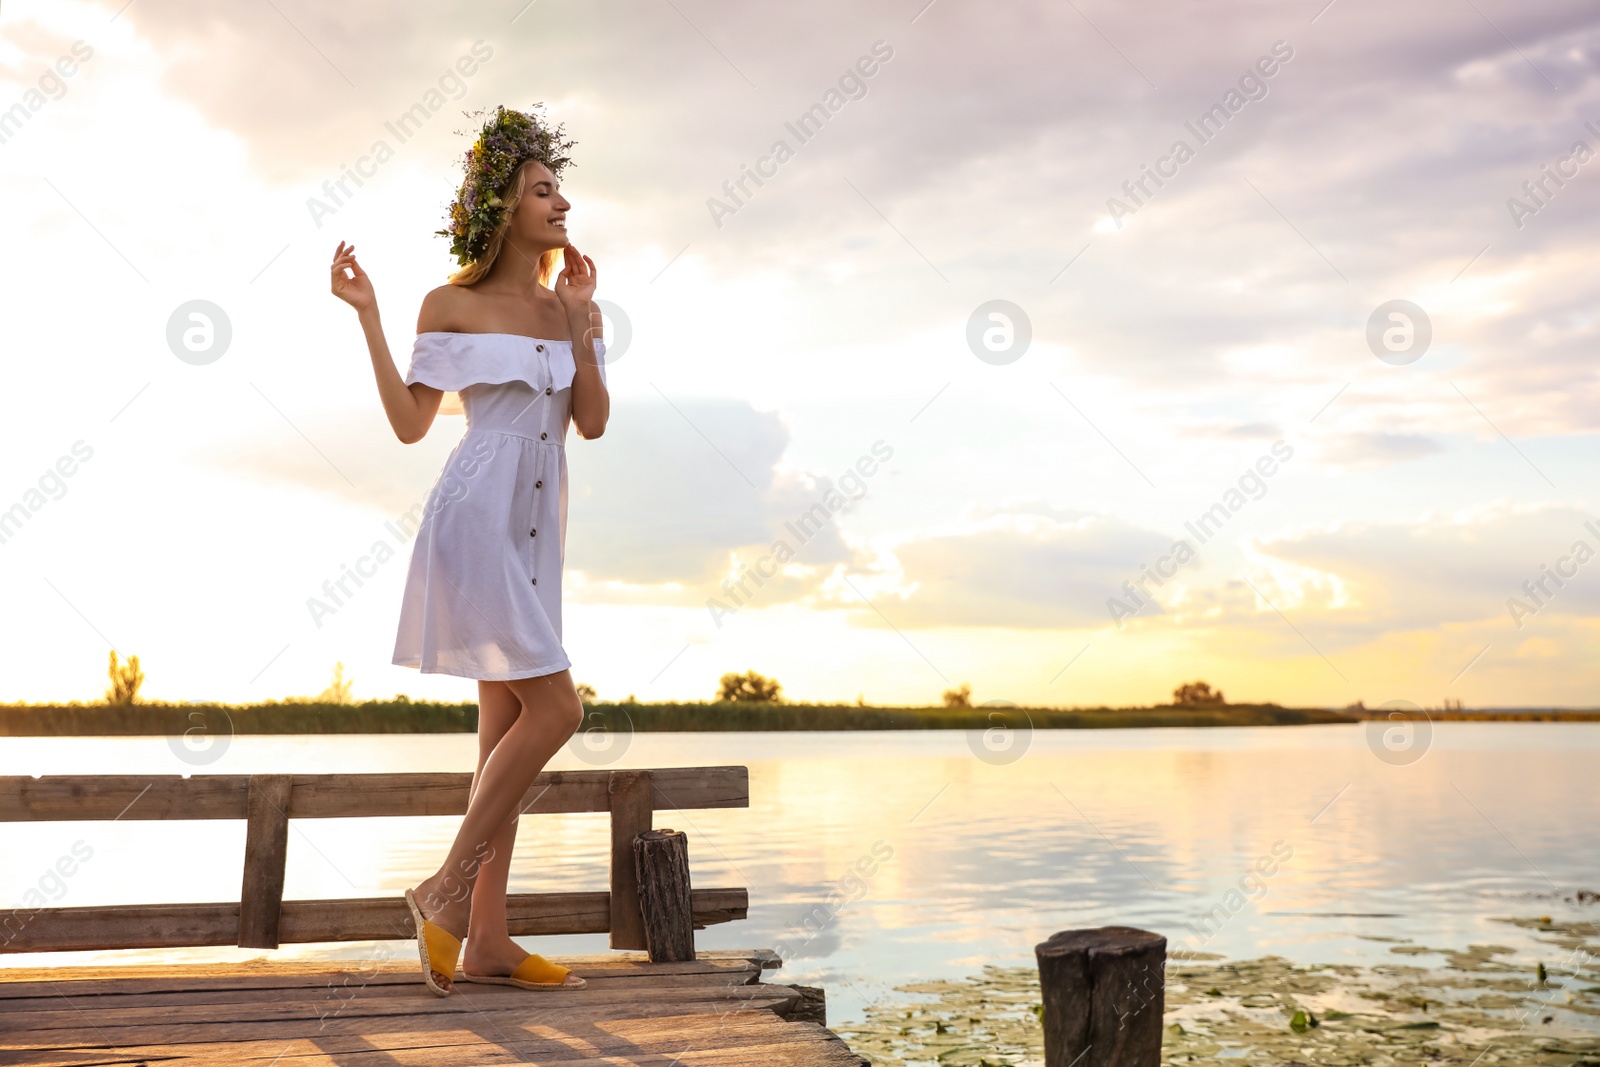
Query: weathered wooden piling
{"x": 662, "y": 861}
{"x": 1102, "y": 991}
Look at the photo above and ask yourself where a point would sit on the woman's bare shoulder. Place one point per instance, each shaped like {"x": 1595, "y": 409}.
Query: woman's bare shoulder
{"x": 444, "y": 309}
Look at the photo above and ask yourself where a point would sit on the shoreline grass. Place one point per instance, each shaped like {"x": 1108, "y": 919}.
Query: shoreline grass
{"x": 403, "y": 715}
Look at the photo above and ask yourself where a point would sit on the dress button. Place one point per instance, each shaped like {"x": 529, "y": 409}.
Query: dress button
{"x": 538, "y": 484}
{"x": 536, "y": 581}
{"x": 533, "y": 533}
{"x": 538, "y": 348}
{"x": 543, "y": 436}
{"x": 547, "y": 390}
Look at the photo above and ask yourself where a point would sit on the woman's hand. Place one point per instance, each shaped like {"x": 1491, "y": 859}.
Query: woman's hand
{"x": 575, "y": 285}
{"x": 356, "y": 291}
{"x": 591, "y": 404}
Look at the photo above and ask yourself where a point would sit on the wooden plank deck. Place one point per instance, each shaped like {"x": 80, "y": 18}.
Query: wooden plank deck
{"x": 713, "y": 1011}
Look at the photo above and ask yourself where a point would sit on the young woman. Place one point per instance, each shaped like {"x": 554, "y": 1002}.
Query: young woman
{"x": 483, "y": 594}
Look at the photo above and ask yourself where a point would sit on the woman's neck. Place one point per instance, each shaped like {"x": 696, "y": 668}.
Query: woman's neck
{"x": 515, "y": 271}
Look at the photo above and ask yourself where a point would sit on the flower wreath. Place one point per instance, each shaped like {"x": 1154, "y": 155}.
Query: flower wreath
{"x": 506, "y": 141}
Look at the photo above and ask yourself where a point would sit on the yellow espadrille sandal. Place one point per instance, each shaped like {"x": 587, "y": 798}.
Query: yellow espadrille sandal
{"x": 534, "y": 972}
{"x": 438, "y": 949}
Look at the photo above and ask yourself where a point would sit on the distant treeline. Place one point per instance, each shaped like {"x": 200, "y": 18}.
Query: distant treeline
{"x": 415, "y": 716}
{"x": 286, "y": 717}
{"x": 1503, "y": 715}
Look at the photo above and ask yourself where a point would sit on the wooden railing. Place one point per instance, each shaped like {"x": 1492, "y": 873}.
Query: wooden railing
{"x": 261, "y": 918}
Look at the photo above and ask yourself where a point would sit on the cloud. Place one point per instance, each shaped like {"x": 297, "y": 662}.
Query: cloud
{"x": 27, "y": 48}
{"x": 672, "y": 488}
{"x": 1360, "y": 580}
{"x": 1365, "y": 451}
{"x": 1251, "y": 431}
{"x": 1020, "y": 570}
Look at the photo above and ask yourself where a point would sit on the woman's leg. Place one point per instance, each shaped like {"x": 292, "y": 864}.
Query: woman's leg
{"x": 550, "y": 713}
{"x": 490, "y": 949}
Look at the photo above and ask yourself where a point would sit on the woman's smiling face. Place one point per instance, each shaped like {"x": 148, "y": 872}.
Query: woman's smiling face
{"x": 540, "y": 219}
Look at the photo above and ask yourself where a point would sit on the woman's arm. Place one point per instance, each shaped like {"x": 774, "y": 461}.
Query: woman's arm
{"x": 591, "y": 402}
{"x": 410, "y": 408}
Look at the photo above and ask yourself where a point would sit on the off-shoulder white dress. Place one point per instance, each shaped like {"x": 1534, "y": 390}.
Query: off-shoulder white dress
{"x": 483, "y": 594}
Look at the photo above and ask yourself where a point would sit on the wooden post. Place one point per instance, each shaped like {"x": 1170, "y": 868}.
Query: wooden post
{"x": 266, "y": 849}
{"x": 1103, "y": 997}
{"x": 662, "y": 859}
{"x": 631, "y": 812}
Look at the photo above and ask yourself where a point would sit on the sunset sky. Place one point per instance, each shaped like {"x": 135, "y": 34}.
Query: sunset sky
{"x": 1204, "y": 329}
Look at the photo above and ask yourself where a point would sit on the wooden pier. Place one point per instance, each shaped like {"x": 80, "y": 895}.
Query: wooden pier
{"x": 641, "y": 1005}
{"x": 714, "y": 1010}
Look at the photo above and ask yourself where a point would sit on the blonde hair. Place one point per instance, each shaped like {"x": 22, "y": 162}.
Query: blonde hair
{"x": 478, "y": 269}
